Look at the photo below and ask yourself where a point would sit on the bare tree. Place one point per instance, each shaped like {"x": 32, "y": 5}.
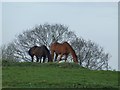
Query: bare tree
{"x": 39, "y": 35}
{"x": 91, "y": 55}
{"x": 8, "y": 52}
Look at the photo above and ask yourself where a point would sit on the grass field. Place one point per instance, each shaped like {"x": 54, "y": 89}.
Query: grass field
{"x": 53, "y": 75}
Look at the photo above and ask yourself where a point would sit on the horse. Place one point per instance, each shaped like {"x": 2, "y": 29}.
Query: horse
{"x": 40, "y": 52}
{"x": 62, "y": 49}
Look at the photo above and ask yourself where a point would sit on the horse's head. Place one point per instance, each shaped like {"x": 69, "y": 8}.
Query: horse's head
{"x": 50, "y": 58}
{"x": 75, "y": 58}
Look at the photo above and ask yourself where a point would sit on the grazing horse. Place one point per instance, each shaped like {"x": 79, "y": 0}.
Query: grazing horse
{"x": 40, "y": 52}
{"x": 62, "y": 49}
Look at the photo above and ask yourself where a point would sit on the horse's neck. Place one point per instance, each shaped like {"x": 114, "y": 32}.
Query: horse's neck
{"x": 74, "y": 56}
{"x": 71, "y": 50}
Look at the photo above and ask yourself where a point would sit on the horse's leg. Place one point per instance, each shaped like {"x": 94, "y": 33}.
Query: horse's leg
{"x": 66, "y": 56}
{"x": 32, "y": 58}
{"x": 52, "y": 55}
{"x": 37, "y": 58}
{"x": 40, "y": 58}
{"x": 44, "y": 59}
{"x": 60, "y": 57}
{"x": 56, "y": 57}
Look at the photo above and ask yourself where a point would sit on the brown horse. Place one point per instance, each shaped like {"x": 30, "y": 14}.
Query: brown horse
{"x": 40, "y": 52}
{"x": 62, "y": 49}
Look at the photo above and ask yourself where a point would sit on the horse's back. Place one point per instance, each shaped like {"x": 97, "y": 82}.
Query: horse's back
{"x": 60, "y": 47}
{"x": 41, "y": 51}
{"x": 66, "y": 43}
{"x": 44, "y": 48}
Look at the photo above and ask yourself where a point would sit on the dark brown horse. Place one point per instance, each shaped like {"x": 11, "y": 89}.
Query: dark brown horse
{"x": 40, "y": 52}
{"x": 62, "y": 49}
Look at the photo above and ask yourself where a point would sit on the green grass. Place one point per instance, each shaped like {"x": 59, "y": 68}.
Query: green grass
{"x": 53, "y": 75}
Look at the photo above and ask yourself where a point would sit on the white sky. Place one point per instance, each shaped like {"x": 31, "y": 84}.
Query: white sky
{"x": 59, "y": 0}
{"x": 92, "y": 21}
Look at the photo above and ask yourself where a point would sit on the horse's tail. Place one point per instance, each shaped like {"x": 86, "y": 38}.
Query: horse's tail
{"x": 72, "y": 52}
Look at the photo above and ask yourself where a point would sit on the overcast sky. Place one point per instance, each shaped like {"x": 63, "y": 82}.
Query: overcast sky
{"x": 92, "y": 21}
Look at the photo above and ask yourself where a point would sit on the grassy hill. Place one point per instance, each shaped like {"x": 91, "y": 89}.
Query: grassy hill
{"x": 54, "y": 75}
